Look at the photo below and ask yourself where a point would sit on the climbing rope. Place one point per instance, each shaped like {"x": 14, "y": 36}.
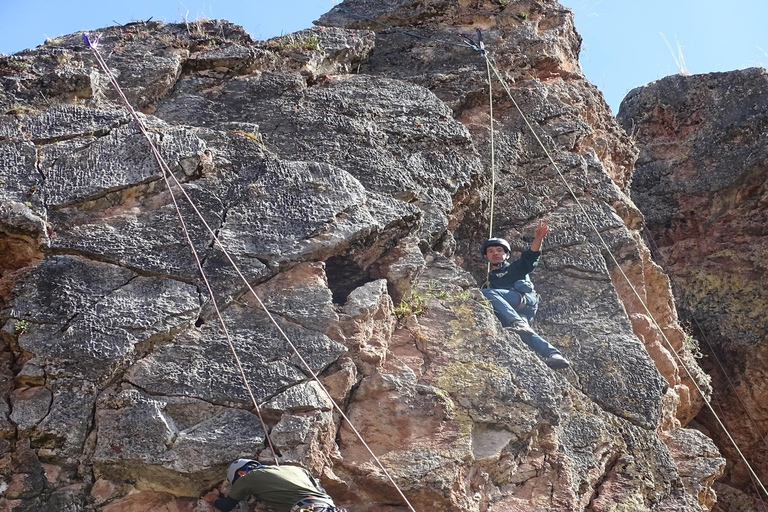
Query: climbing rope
{"x": 168, "y": 174}
{"x": 624, "y": 275}
{"x": 490, "y": 67}
{"x": 680, "y": 292}
{"x": 493, "y": 167}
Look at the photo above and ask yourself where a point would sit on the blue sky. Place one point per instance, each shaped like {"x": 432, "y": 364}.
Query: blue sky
{"x": 623, "y": 45}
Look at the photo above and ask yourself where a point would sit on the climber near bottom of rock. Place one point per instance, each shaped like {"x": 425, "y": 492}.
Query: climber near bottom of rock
{"x": 510, "y": 291}
{"x": 284, "y": 488}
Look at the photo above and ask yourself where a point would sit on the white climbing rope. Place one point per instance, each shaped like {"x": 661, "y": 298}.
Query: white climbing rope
{"x": 493, "y": 164}
{"x": 624, "y": 275}
{"x": 168, "y": 174}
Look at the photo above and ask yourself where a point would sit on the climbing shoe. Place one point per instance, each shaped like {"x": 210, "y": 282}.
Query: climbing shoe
{"x": 556, "y": 361}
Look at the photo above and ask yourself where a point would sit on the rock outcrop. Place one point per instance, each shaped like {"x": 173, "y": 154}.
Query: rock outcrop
{"x": 702, "y": 184}
{"x": 346, "y": 170}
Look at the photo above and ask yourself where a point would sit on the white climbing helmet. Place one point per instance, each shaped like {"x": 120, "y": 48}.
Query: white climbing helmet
{"x": 237, "y": 466}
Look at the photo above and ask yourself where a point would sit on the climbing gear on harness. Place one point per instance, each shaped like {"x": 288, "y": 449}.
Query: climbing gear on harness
{"x": 313, "y": 503}
{"x": 523, "y": 302}
{"x": 241, "y": 464}
{"x": 523, "y": 288}
{"x": 478, "y": 45}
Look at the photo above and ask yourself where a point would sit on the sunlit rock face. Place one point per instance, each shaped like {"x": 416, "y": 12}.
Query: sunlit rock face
{"x": 346, "y": 170}
{"x": 701, "y": 183}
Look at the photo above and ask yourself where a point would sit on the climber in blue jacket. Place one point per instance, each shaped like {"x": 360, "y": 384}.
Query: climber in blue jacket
{"x": 510, "y": 291}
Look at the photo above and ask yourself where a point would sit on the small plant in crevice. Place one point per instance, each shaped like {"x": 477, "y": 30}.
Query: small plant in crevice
{"x": 692, "y": 345}
{"x": 522, "y": 15}
{"x": 18, "y": 65}
{"x": 413, "y": 304}
{"x": 292, "y": 42}
{"x": 16, "y": 109}
{"x": 433, "y": 290}
{"x": 20, "y": 327}
{"x": 486, "y": 304}
{"x": 248, "y": 135}
{"x": 416, "y": 302}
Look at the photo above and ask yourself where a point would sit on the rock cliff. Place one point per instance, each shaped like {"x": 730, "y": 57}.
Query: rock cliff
{"x": 701, "y": 183}
{"x": 346, "y": 168}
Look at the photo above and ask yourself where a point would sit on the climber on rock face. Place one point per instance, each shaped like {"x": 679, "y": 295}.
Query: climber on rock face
{"x": 284, "y": 488}
{"x": 511, "y": 293}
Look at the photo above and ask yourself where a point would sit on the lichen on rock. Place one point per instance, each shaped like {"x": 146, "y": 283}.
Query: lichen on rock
{"x": 345, "y": 169}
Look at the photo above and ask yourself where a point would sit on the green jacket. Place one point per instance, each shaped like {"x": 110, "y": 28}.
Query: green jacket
{"x": 280, "y": 487}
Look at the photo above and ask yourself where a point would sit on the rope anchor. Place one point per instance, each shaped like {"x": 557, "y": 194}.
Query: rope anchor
{"x": 478, "y": 45}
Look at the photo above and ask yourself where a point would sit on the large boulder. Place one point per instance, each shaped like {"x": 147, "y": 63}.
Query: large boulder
{"x": 701, "y": 182}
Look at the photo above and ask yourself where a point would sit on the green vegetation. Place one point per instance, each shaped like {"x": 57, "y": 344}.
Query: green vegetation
{"x": 248, "y": 135}
{"x": 522, "y": 15}
{"x": 693, "y": 346}
{"x": 305, "y": 42}
{"x": 18, "y": 65}
{"x": 17, "y": 109}
{"x": 20, "y": 327}
{"x": 416, "y": 302}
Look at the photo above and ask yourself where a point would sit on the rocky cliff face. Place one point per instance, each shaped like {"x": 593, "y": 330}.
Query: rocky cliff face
{"x": 701, "y": 183}
{"x": 346, "y": 169}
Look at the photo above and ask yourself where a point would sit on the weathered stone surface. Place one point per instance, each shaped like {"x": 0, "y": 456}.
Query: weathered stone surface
{"x": 400, "y": 267}
{"x": 117, "y": 160}
{"x": 348, "y": 122}
{"x": 699, "y": 462}
{"x": 701, "y": 183}
{"x": 23, "y": 233}
{"x": 301, "y": 295}
{"x": 18, "y": 172}
{"x": 733, "y": 500}
{"x": 89, "y": 334}
{"x": 137, "y": 438}
{"x": 26, "y": 476}
{"x": 62, "y": 122}
{"x": 200, "y": 363}
{"x": 70, "y": 418}
{"x": 154, "y": 500}
{"x": 367, "y": 322}
{"x": 470, "y": 392}
{"x": 321, "y": 51}
{"x": 335, "y": 192}
{"x": 308, "y": 439}
{"x": 29, "y": 405}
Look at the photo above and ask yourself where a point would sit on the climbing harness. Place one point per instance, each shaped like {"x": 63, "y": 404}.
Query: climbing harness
{"x": 168, "y": 175}
{"x": 314, "y": 503}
